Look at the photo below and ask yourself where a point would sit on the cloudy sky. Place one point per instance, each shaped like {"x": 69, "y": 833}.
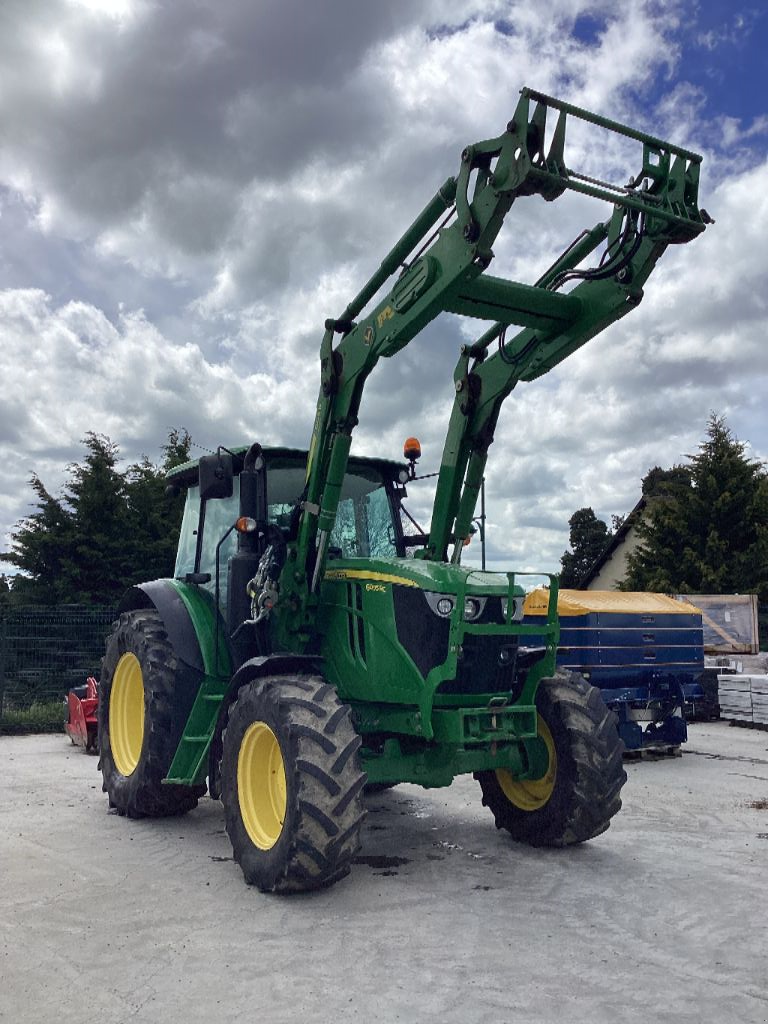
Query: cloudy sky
{"x": 187, "y": 190}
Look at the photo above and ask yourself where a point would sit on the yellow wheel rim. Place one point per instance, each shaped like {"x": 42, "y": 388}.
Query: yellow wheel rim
{"x": 261, "y": 788}
{"x": 532, "y": 794}
{"x": 126, "y": 714}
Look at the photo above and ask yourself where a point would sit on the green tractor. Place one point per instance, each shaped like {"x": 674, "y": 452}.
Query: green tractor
{"x": 309, "y": 646}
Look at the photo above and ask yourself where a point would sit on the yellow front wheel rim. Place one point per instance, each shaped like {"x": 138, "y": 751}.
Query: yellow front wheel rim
{"x": 261, "y": 787}
{"x": 126, "y": 714}
{"x": 532, "y": 794}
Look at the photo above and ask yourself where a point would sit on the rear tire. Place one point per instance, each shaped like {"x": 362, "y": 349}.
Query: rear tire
{"x": 292, "y": 784}
{"x": 135, "y": 715}
{"x": 580, "y": 793}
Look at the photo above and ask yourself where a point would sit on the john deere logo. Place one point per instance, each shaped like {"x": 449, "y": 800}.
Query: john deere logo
{"x": 369, "y": 334}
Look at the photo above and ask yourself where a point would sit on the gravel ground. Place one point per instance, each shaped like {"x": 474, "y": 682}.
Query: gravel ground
{"x": 443, "y": 919}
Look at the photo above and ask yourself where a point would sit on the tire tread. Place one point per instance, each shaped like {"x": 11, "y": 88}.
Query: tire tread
{"x": 590, "y": 770}
{"x": 321, "y": 833}
{"x": 142, "y": 794}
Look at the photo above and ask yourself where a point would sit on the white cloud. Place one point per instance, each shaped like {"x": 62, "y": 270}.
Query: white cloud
{"x": 187, "y": 193}
{"x": 69, "y": 370}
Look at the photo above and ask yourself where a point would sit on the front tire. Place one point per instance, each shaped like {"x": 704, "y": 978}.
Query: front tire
{"x": 135, "y": 715}
{"x": 580, "y": 792}
{"x": 292, "y": 784}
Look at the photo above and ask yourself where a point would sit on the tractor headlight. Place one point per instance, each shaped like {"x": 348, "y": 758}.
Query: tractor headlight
{"x": 440, "y": 604}
{"x": 517, "y": 608}
{"x": 444, "y": 605}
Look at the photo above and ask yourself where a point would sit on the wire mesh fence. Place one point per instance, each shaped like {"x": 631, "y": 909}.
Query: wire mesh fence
{"x": 45, "y": 651}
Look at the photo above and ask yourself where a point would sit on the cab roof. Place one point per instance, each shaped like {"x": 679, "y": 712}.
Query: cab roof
{"x": 186, "y": 474}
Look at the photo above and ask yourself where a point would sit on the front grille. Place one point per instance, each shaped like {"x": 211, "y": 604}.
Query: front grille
{"x": 492, "y": 612}
{"x": 423, "y": 634}
{"x": 488, "y": 665}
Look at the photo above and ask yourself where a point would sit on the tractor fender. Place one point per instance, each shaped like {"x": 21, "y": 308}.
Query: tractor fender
{"x": 190, "y": 620}
{"x": 191, "y": 637}
{"x": 254, "y": 668}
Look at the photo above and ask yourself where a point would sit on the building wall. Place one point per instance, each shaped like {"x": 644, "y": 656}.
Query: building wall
{"x": 614, "y": 569}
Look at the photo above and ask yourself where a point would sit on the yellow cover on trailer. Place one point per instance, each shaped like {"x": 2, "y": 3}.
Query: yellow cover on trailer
{"x": 582, "y": 602}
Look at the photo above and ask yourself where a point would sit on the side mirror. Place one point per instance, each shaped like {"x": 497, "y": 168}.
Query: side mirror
{"x": 216, "y": 476}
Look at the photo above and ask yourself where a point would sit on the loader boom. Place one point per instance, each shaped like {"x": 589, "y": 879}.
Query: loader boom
{"x": 443, "y": 269}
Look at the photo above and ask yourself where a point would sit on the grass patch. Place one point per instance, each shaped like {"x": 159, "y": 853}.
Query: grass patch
{"x": 46, "y": 716}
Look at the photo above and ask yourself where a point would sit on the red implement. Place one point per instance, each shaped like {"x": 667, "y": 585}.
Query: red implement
{"x": 82, "y": 716}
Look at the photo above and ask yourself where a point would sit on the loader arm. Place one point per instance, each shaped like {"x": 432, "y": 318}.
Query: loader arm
{"x": 483, "y": 381}
{"x": 443, "y": 270}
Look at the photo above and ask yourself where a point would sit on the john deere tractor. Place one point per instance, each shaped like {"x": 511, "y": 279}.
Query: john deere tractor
{"x": 310, "y": 647}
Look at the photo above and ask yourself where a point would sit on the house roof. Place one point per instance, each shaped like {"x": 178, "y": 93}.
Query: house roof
{"x": 615, "y": 542}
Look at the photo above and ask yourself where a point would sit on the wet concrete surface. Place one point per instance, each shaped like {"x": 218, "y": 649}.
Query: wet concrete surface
{"x": 443, "y": 918}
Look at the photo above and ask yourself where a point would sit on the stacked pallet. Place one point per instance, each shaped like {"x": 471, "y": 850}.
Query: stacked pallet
{"x": 744, "y": 698}
{"x": 760, "y": 700}
{"x": 735, "y": 697}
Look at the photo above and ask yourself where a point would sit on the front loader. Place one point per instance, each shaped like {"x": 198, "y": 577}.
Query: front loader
{"x": 308, "y": 647}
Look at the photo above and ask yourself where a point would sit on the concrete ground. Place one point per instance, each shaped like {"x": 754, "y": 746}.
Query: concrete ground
{"x": 664, "y": 918}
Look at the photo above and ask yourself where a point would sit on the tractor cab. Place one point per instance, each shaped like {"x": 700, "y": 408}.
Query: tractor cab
{"x": 225, "y": 524}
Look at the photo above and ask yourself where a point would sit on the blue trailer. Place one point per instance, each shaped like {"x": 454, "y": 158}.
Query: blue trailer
{"x": 644, "y": 651}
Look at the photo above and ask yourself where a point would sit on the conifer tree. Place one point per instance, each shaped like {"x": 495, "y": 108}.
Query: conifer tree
{"x": 706, "y": 531}
{"x": 155, "y": 516}
{"x": 40, "y": 543}
{"x": 108, "y": 529}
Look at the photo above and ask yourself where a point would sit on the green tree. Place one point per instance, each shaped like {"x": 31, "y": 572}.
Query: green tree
{"x": 588, "y": 537}
{"x": 706, "y": 530}
{"x": 98, "y": 558}
{"x": 39, "y": 545}
{"x": 658, "y": 481}
{"x": 154, "y": 516}
{"x": 108, "y": 529}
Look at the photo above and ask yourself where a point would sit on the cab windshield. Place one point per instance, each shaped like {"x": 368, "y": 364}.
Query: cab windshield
{"x": 364, "y": 522}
